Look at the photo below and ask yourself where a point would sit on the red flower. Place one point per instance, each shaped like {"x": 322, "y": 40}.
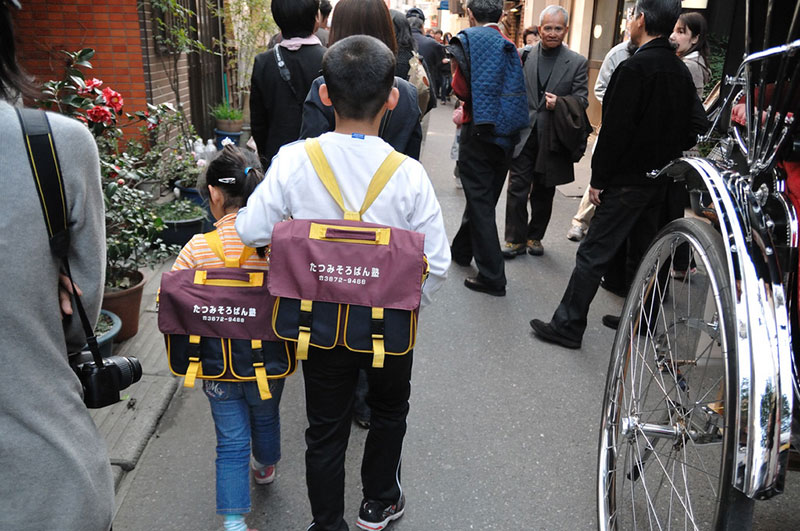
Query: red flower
{"x": 90, "y": 86}
{"x": 99, "y": 114}
{"x": 113, "y": 99}
{"x": 151, "y": 125}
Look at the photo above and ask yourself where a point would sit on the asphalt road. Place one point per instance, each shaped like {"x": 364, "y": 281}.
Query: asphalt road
{"x": 503, "y": 428}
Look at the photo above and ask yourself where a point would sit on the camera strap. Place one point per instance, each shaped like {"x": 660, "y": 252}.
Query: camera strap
{"x": 46, "y": 170}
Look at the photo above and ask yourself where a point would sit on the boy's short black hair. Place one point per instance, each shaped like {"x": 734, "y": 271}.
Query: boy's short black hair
{"x": 295, "y": 18}
{"x": 359, "y": 74}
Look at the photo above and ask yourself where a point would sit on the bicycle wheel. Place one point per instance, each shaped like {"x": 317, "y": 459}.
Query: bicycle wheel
{"x": 666, "y": 443}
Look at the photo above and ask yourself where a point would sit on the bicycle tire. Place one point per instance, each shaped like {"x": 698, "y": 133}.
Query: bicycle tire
{"x": 666, "y": 450}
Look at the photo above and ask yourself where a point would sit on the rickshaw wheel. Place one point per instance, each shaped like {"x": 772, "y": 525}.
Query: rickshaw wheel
{"x": 667, "y": 443}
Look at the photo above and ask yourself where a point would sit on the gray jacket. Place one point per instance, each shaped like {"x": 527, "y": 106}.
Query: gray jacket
{"x": 54, "y": 467}
{"x": 570, "y": 77}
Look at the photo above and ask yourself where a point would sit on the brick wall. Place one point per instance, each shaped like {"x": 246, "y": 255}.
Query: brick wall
{"x": 120, "y": 32}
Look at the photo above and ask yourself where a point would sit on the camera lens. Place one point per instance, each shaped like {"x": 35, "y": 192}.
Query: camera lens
{"x": 130, "y": 370}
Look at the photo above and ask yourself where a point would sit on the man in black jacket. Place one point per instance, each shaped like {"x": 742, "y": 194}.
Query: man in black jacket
{"x": 651, "y": 113}
{"x": 277, "y": 93}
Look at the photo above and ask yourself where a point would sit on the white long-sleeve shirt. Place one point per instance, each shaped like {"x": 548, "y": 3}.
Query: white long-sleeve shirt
{"x": 292, "y": 188}
{"x": 611, "y": 61}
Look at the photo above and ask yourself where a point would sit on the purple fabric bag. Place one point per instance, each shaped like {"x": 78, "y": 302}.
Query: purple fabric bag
{"x": 347, "y": 282}
{"x": 347, "y": 262}
{"x": 222, "y": 302}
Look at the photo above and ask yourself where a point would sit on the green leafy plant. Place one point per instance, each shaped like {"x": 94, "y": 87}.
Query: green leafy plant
{"x": 224, "y": 111}
{"x": 132, "y": 228}
{"x": 132, "y": 225}
{"x": 180, "y": 210}
{"x": 104, "y": 325}
{"x": 718, "y": 45}
{"x": 250, "y": 25}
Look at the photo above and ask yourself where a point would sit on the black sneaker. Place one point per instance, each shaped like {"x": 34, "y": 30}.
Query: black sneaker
{"x": 374, "y": 515}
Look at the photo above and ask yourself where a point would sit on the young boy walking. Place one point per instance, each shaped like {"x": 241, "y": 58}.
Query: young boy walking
{"x": 359, "y": 75}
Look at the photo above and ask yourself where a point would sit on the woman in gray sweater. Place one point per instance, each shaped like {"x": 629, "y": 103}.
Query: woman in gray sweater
{"x": 54, "y": 467}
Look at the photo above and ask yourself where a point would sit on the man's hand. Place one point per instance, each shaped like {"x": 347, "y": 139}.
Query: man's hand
{"x": 594, "y": 196}
{"x": 550, "y": 101}
{"x": 65, "y": 294}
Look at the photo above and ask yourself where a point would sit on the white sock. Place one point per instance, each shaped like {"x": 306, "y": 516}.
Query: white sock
{"x": 235, "y": 522}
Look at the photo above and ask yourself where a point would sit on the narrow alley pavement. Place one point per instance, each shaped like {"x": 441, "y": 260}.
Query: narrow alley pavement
{"x": 503, "y": 428}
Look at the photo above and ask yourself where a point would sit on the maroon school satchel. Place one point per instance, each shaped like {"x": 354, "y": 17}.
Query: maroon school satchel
{"x": 347, "y": 282}
{"x": 216, "y": 324}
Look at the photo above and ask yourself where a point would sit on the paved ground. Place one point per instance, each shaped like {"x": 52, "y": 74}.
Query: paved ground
{"x": 502, "y": 431}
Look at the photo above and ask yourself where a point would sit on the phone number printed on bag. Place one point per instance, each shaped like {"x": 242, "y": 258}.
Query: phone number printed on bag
{"x": 344, "y": 274}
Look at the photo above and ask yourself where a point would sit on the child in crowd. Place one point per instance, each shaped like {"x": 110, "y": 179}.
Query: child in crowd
{"x": 359, "y": 76}
{"x": 240, "y": 416}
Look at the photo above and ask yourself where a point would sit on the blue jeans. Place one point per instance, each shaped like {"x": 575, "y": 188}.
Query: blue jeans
{"x": 239, "y": 417}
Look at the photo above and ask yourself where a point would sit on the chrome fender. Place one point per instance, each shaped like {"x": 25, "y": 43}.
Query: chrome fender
{"x": 764, "y": 391}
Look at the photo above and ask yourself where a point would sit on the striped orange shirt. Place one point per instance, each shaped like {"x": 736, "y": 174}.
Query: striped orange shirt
{"x": 198, "y": 255}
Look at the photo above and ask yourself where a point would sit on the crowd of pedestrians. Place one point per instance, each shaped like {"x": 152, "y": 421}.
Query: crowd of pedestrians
{"x": 363, "y": 86}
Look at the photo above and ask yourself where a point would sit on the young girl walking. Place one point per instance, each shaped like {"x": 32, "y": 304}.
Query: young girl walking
{"x": 248, "y": 428}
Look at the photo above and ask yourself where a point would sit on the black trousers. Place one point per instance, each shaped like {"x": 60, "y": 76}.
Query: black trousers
{"x": 330, "y": 380}
{"x": 524, "y": 186}
{"x": 634, "y": 211}
{"x": 482, "y": 166}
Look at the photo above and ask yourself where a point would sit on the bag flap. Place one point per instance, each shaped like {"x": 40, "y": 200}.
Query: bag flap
{"x": 347, "y": 262}
{"x": 219, "y": 302}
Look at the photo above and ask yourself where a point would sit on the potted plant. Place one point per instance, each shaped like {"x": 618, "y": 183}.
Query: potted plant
{"x": 183, "y": 219}
{"x": 133, "y": 243}
{"x": 229, "y": 122}
{"x": 107, "y": 328}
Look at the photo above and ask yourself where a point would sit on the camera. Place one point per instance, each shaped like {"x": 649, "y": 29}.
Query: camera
{"x": 101, "y": 385}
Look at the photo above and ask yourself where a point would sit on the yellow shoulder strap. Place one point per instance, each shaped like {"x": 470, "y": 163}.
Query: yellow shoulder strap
{"x": 214, "y": 242}
{"x": 381, "y": 177}
{"x": 324, "y": 171}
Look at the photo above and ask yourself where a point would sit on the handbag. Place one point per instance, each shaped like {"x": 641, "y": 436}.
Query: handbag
{"x": 216, "y": 324}
{"x": 347, "y": 282}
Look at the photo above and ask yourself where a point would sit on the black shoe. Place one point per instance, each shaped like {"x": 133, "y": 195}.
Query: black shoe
{"x": 375, "y": 515}
{"x": 611, "y": 321}
{"x": 619, "y": 291}
{"x": 476, "y": 284}
{"x": 546, "y": 332}
{"x": 512, "y": 250}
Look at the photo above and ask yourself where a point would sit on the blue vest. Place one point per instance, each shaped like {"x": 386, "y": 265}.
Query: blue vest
{"x": 497, "y": 84}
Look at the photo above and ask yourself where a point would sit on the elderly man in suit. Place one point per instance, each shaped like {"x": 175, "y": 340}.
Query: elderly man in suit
{"x": 552, "y": 71}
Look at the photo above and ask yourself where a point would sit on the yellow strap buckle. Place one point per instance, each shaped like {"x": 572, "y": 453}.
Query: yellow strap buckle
{"x": 194, "y": 368}
{"x": 378, "y": 347}
{"x": 304, "y": 330}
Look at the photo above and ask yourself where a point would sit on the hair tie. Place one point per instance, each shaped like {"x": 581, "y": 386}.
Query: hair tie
{"x": 247, "y": 170}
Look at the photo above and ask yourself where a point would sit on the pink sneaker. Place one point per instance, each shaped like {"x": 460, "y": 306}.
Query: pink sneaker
{"x": 263, "y": 476}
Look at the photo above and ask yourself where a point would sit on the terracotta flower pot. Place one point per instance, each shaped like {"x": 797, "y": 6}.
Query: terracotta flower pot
{"x": 126, "y": 303}
{"x": 230, "y": 126}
